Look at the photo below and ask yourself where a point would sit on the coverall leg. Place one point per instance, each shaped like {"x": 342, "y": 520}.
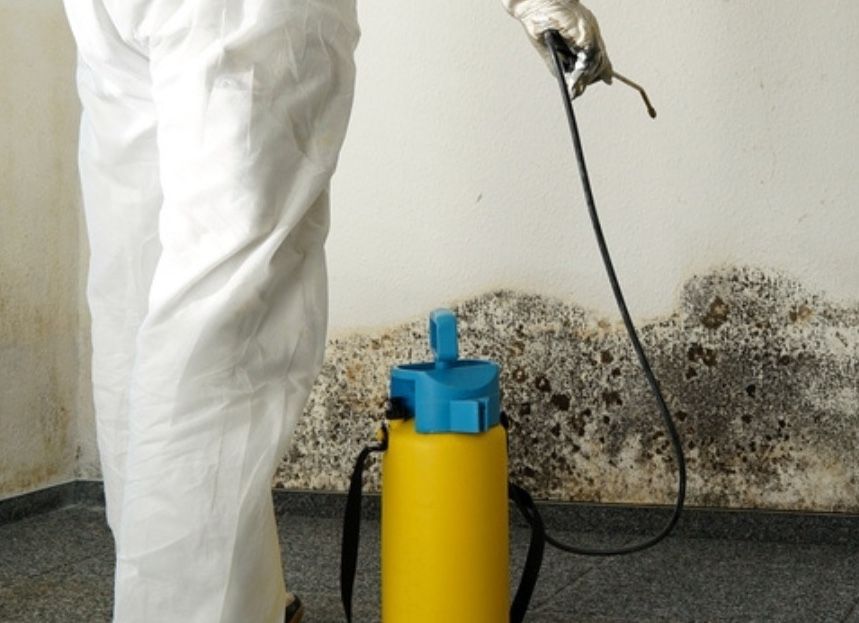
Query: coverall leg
{"x": 209, "y": 135}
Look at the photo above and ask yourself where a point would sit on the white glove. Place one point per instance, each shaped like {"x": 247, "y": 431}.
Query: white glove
{"x": 579, "y": 28}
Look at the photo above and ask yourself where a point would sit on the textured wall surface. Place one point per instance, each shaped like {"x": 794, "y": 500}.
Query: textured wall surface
{"x": 762, "y": 375}
{"x": 38, "y": 248}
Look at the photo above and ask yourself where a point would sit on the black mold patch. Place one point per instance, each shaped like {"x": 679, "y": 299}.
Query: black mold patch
{"x": 761, "y": 374}
{"x": 717, "y": 315}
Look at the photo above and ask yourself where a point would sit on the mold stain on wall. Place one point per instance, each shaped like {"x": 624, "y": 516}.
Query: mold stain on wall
{"x": 38, "y": 386}
{"x": 38, "y": 249}
{"x": 760, "y": 372}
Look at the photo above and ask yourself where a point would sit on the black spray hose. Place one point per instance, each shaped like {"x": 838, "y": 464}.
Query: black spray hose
{"x": 559, "y": 50}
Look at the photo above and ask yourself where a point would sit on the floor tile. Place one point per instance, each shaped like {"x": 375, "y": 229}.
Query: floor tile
{"x": 717, "y": 580}
{"x": 37, "y": 544}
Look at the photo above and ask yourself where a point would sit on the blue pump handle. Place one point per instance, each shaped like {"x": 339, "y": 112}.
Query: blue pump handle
{"x": 442, "y": 337}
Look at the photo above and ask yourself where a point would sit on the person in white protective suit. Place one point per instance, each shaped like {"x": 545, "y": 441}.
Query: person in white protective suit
{"x": 209, "y": 134}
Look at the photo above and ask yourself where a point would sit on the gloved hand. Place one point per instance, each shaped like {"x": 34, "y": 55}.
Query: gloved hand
{"x": 579, "y": 28}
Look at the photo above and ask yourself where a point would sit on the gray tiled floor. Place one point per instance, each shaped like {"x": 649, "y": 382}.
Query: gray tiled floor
{"x": 57, "y": 567}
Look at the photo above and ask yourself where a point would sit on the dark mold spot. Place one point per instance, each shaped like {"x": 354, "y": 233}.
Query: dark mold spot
{"x": 801, "y": 313}
{"x": 699, "y": 354}
{"x": 561, "y": 402}
{"x": 542, "y": 384}
{"x": 605, "y": 357}
{"x": 717, "y": 315}
{"x": 612, "y": 399}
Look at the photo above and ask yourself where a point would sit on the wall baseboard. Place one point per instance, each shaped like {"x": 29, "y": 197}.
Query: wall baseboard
{"x": 600, "y": 520}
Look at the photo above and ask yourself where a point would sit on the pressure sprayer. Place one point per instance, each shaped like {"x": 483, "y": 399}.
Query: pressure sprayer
{"x": 445, "y": 487}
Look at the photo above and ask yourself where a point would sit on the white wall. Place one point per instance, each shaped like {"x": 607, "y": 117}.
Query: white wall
{"x": 457, "y": 174}
{"x": 39, "y": 356}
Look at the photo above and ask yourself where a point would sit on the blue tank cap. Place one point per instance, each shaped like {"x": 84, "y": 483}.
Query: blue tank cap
{"x": 448, "y": 395}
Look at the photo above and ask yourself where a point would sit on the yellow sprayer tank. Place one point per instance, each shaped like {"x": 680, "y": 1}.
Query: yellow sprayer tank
{"x": 444, "y": 491}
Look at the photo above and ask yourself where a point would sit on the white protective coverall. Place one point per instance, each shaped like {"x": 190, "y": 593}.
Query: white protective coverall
{"x": 209, "y": 134}
{"x": 210, "y": 131}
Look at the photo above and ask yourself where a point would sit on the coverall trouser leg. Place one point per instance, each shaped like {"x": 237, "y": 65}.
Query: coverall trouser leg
{"x": 210, "y": 132}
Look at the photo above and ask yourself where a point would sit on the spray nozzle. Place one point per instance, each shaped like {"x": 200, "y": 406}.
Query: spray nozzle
{"x": 650, "y": 109}
{"x": 576, "y": 61}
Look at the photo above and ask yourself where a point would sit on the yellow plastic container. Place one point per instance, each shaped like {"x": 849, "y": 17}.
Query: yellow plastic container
{"x": 445, "y": 527}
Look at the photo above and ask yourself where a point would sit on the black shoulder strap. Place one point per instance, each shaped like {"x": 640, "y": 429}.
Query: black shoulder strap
{"x": 352, "y": 526}
{"x": 534, "y": 560}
